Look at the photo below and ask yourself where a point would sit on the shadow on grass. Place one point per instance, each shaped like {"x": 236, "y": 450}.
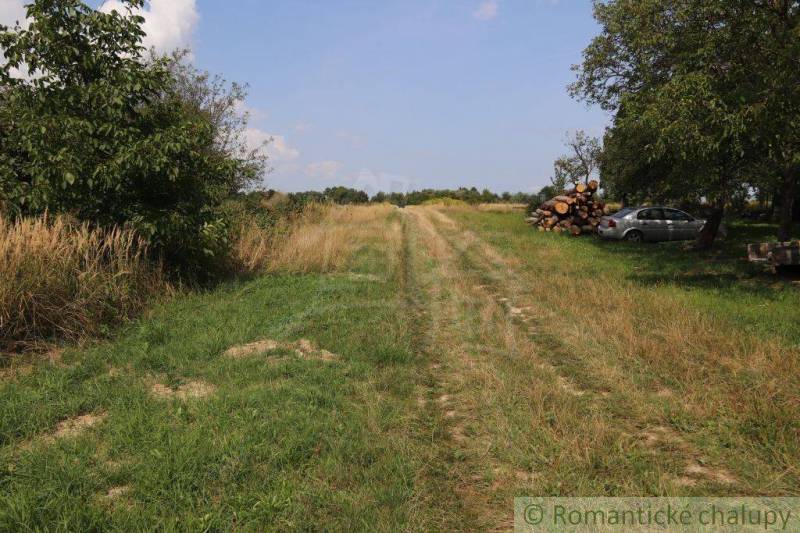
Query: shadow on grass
{"x": 723, "y": 267}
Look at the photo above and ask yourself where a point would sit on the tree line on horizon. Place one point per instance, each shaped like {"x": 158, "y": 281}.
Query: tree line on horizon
{"x": 345, "y": 195}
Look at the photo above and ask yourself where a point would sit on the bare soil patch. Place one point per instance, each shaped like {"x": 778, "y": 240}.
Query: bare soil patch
{"x": 72, "y": 427}
{"x": 190, "y": 390}
{"x": 253, "y": 348}
{"x": 117, "y": 492}
{"x": 304, "y": 348}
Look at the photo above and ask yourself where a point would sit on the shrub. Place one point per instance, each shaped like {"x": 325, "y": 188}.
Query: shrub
{"x": 451, "y": 202}
{"x": 112, "y": 137}
{"x": 63, "y": 279}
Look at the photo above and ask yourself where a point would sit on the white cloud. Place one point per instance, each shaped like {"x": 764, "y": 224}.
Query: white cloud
{"x": 487, "y": 10}
{"x": 252, "y": 113}
{"x": 169, "y": 24}
{"x": 323, "y": 169}
{"x": 274, "y": 146}
{"x": 374, "y": 182}
{"x": 11, "y": 12}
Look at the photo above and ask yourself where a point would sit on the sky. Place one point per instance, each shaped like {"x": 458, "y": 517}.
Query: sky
{"x": 392, "y": 95}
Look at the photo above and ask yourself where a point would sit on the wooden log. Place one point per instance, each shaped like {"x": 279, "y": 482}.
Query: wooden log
{"x": 588, "y": 228}
{"x": 575, "y": 230}
{"x": 593, "y": 185}
{"x": 554, "y": 205}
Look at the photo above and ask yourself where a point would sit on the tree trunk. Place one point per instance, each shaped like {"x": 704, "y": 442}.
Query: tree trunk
{"x": 771, "y": 210}
{"x": 705, "y": 239}
{"x": 785, "y": 217}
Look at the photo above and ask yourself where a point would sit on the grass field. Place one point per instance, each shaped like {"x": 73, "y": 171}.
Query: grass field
{"x": 445, "y": 361}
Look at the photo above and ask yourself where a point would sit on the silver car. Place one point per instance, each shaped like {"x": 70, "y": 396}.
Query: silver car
{"x": 650, "y": 224}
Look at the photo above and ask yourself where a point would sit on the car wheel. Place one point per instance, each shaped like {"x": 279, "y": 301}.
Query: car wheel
{"x": 634, "y": 236}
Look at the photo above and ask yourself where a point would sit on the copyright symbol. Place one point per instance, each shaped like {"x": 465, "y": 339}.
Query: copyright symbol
{"x": 534, "y": 514}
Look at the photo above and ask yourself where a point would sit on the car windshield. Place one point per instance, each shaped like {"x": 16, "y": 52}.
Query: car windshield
{"x": 622, "y": 213}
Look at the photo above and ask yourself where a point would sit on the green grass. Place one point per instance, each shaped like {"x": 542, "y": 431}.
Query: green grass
{"x": 282, "y": 443}
{"x": 721, "y": 281}
{"x": 703, "y": 344}
{"x": 439, "y": 407}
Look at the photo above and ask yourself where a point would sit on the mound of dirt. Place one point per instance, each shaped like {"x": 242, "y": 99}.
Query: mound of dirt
{"x": 304, "y": 348}
{"x": 190, "y": 390}
{"x": 74, "y": 426}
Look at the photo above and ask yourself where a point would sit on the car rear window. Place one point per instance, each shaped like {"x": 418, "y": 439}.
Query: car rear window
{"x": 622, "y": 213}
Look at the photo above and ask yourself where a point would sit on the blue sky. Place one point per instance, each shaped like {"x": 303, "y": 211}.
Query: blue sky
{"x": 387, "y": 94}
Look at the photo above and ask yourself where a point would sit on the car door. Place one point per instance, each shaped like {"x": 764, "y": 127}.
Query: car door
{"x": 653, "y": 224}
{"x": 680, "y": 225}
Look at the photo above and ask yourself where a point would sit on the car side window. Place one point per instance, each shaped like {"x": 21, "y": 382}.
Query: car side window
{"x": 674, "y": 214}
{"x": 651, "y": 214}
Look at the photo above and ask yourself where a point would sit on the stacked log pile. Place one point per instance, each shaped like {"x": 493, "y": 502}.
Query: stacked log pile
{"x": 577, "y": 211}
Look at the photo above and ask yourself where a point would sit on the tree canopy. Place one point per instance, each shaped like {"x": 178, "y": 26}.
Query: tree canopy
{"x": 580, "y": 164}
{"x": 101, "y": 130}
{"x": 702, "y": 93}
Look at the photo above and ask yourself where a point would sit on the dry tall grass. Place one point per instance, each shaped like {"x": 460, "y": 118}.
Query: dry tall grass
{"x": 501, "y": 208}
{"x": 322, "y": 239}
{"x": 66, "y": 280}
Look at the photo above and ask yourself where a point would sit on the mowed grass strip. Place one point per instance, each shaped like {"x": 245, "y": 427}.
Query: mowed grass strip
{"x": 682, "y": 362}
{"x": 160, "y": 430}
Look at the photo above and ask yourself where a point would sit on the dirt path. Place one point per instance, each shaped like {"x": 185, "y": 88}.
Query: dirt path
{"x": 517, "y": 420}
{"x": 489, "y": 383}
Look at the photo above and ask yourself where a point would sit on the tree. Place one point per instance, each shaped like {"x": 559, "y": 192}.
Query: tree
{"x": 770, "y": 36}
{"x": 700, "y": 91}
{"x": 580, "y": 164}
{"x": 219, "y": 102}
{"x": 344, "y": 195}
{"x": 103, "y": 133}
